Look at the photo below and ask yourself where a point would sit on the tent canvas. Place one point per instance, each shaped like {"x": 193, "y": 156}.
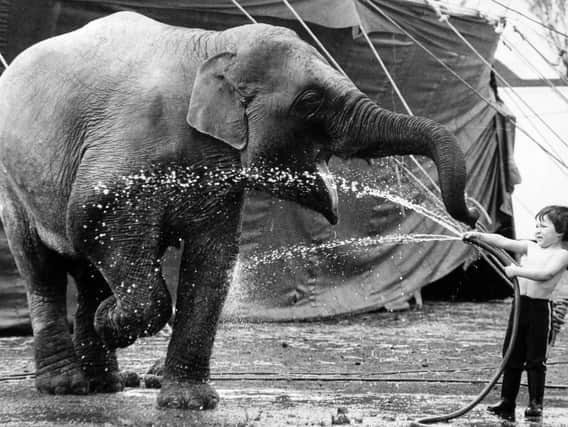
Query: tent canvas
{"x": 293, "y": 264}
{"x": 536, "y": 91}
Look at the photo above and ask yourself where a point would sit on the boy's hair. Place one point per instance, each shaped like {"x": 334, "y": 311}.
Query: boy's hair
{"x": 558, "y": 215}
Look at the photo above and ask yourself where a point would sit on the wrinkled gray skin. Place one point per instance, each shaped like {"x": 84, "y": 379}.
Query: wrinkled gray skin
{"x": 126, "y": 96}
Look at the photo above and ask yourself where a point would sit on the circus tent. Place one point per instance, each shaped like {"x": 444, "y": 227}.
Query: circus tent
{"x": 406, "y": 55}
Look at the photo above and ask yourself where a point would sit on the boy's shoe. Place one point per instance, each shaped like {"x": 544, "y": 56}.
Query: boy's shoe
{"x": 503, "y": 409}
{"x": 534, "y": 410}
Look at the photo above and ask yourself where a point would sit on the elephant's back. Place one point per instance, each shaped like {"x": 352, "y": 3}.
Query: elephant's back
{"x": 54, "y": 85}
{"x": 119, "y": 43}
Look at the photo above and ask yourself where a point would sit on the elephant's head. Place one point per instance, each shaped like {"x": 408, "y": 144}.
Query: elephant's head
{"x": 272, "y": 96}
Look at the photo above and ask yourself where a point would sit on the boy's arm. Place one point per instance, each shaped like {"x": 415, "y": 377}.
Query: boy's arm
{"x": 556, "y": 263}
{"x": 517, "y": 246}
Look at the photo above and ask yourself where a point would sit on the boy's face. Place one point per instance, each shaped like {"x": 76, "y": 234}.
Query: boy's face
{"x": 546, "y": 234}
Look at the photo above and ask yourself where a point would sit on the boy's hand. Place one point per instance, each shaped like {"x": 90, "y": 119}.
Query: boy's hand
{"x": 471, "y": 235}
{"x": 510, "y": 271}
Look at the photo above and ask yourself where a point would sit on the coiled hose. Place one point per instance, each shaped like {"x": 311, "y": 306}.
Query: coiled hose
{"x": 503, "y": 259}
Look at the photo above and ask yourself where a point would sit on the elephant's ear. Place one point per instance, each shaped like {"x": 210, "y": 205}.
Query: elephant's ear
{"x": 215, "y": 106}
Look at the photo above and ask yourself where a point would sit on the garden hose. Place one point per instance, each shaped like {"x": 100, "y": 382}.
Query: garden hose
{"x": 503, "y": 259}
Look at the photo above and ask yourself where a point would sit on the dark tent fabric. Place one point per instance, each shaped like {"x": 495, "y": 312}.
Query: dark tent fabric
{"x": 293, "y": 264}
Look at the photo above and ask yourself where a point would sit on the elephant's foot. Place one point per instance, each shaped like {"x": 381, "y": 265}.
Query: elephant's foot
{"x": 101, "y": 367}
{"x": 130, "y": 378}
{"x": 153, "y": 381}
{"x": 63, "y": 381}
{"x": 106, "y": 382}
{"x": 196, "y": 395}
{"x": 57, "y": 368}
{"x": 98, "y": 363}
{"x": 112, "y": 381}
{"x": 155, "y": 375}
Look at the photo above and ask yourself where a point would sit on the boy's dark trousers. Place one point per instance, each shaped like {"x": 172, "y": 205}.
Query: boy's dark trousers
{"x": 529, "y": 351}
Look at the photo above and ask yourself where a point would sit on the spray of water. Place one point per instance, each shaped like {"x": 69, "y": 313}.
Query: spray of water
{"x": 361, "y": 190}
{"x": 355, "y": 243}
{"x": 192, "y": 180}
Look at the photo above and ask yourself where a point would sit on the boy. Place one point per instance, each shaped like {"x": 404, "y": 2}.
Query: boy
{"x": 541, "y": 266}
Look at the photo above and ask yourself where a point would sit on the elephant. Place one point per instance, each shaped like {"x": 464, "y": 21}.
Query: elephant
{"x": 128, "y": 136}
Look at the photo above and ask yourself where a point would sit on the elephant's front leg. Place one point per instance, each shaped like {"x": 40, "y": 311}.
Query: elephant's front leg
{"x": 207, "y": 266}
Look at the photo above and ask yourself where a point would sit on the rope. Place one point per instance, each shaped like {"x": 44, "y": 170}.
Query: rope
{"x": 434, "y": 196}
{"x": 377, "y": 56}
{"x": 333, "y": 61}
{"x": 3, "y": 61}
{"x": 314, "y": 37}
{"x": 554, "y": 156}
{"x": 474, "y": 50}
{"x": 309, "y": 31}
{"x": 535, "y": 69}
{"x": 404, "y": 103}
{"x": 522, "y": 204}
{"x": 389, "y": 77}
{"x": 408, "y": 110}
{"x": 545, "y": 59}
{"x": 456, "y": 75}
{"x": 242, "y": 9}
{"x": 548, "y": 27}
{"x": 253, "y": 376}
{"x": 529, "y": 117}
{"x": 545, "y": 146}
{"x": 469, "y": 45}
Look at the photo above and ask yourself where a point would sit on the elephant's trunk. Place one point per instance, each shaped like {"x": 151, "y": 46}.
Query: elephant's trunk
{"x": 374, "y": 132}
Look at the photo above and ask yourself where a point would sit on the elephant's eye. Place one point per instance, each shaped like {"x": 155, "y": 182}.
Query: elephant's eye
{"x": 308, "y": 103}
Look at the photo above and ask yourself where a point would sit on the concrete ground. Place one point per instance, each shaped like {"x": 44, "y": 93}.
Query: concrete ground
{"x": 381, "y": 369}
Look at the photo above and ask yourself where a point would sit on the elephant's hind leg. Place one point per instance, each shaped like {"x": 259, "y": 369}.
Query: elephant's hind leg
{"x": 98, "y": 361}
{"x": 141, "y": 304}
{"x": 57, "y": 368}
{"x": 121, "y": 238}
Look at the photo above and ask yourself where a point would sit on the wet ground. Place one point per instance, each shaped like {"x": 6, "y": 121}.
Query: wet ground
{"x": 383, "y": 369}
